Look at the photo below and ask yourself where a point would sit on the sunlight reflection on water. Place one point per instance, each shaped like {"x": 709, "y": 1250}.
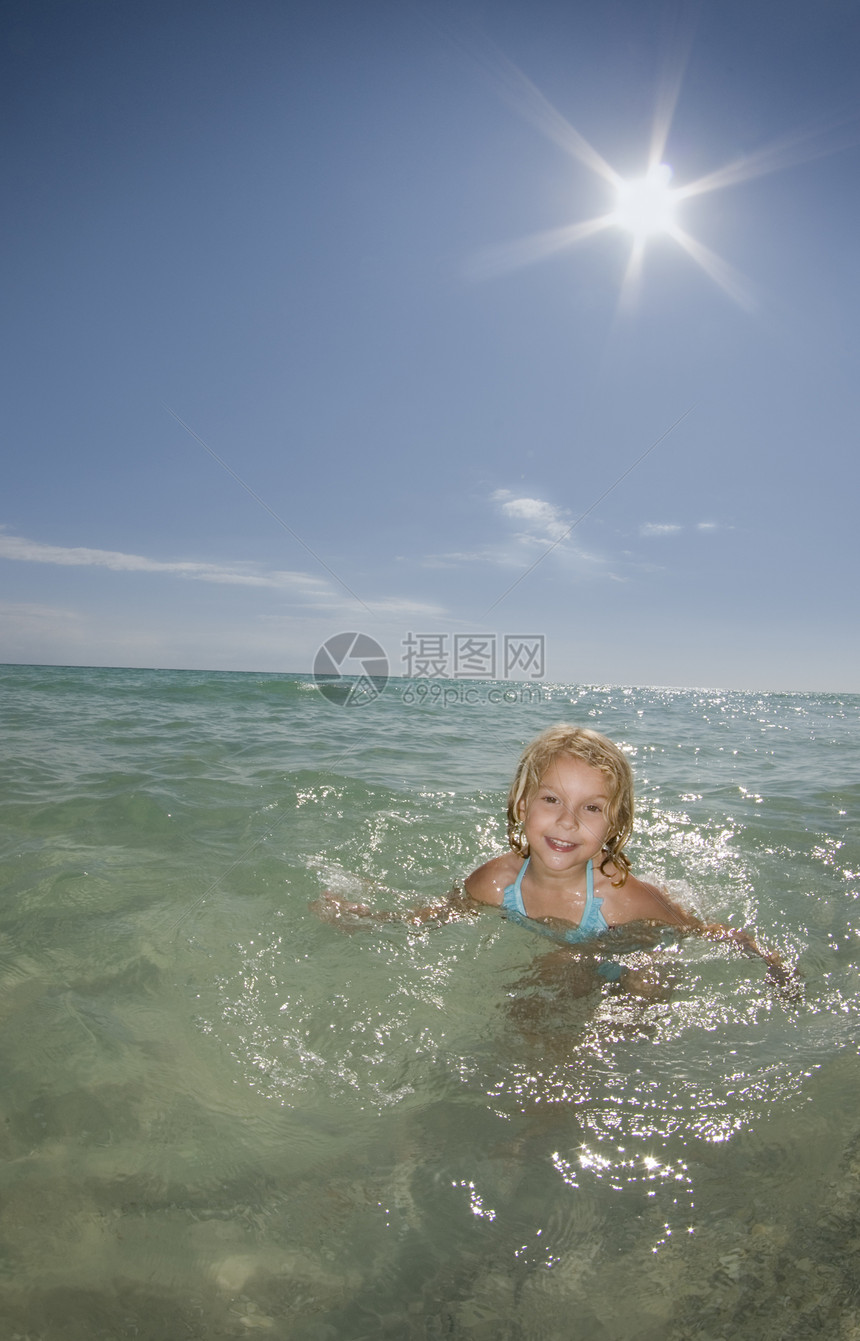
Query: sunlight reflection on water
{"x": 223, "y": 1116}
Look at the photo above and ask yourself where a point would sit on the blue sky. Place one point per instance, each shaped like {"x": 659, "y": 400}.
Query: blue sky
{"x": 300, "y": 234}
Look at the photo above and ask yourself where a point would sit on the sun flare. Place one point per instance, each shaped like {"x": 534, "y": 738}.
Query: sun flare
{"x": 646, "y": 207}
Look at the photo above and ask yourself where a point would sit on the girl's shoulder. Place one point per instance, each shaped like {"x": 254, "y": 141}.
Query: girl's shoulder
{"x": 637, "y": 901}
{"x": 488, "y": 883}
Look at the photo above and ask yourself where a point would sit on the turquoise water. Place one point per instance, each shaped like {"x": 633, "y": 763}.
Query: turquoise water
{"x": 222, "y": 1116}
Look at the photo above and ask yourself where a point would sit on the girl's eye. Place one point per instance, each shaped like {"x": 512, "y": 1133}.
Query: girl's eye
{"x": 597, "y": 810}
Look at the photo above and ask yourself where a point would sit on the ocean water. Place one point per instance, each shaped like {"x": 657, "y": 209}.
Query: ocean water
{"x": 223, "y": 1116}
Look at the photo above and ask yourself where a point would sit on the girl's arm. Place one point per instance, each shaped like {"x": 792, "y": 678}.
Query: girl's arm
{"x": 777, "y": 970}
{"x": 639, "y": 901}
{"x": 781, "y": 974}
{"x": 341, "y": 912}
{"x": 485, "y": 885}
{"x": 649, "y": 982}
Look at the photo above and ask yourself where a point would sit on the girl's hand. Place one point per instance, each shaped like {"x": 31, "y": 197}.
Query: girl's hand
{"x": 786, "y": 978}
{"x": 339, "y": 912}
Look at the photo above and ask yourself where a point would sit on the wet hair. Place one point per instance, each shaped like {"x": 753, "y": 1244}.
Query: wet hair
{"x": 577, "y": 742}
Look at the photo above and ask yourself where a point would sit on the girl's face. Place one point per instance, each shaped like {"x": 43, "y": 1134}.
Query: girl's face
{"x": 565, "y": 823}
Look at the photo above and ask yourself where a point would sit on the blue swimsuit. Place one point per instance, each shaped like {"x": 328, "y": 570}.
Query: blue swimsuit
{"x": 591, "y": 924}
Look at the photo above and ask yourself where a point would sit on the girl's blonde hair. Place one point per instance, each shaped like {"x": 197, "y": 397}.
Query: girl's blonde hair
{"x": 598, "y": 752}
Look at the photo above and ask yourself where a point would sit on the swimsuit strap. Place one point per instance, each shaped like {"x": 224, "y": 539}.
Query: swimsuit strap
{"x": 513, "y": 895}
{"x": 592, "y": 922}
{"x": 512, "y": 898}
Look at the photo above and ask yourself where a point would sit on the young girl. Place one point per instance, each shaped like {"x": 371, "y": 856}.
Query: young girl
{"x": 570, "y": 813}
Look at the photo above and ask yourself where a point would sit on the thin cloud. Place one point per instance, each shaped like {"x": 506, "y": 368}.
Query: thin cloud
{"x": 20, "y": 549}
{"x": 537, "y": 525}
{"x": 505, "y": 555}
{"x": 27, "y": 610}
{"x": 659, "y": 528}
{"x": 42, "y": 633}
{"x": 544, "y": 521}
{"x": 672, "y": 528}
{"x": 454, "y": 558}
{"x": 314, "y": 592}
{"x": 545, "y": 527}
{"x": 401, "y": 606}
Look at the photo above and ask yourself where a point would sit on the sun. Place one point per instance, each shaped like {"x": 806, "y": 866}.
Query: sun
{"x": 646, "y": 207}
{"x": 643, "y": 208}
